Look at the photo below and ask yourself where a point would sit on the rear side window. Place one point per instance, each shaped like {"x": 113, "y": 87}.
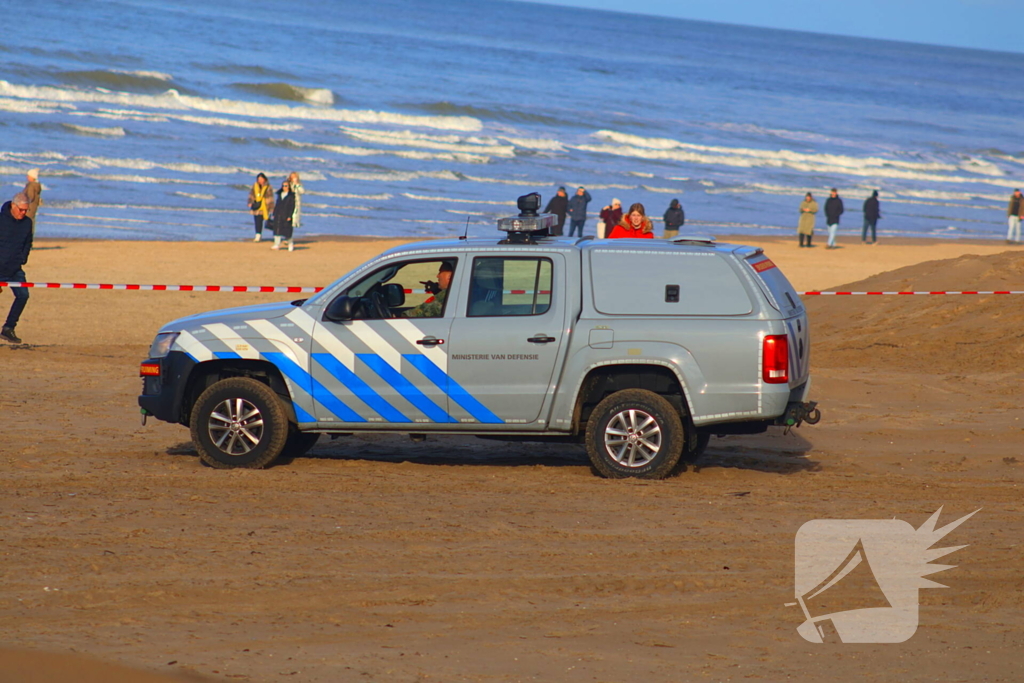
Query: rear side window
{"x": 507, "y": 286}
{"x": 666, "y": 284}
{"x": 776, "y": 286}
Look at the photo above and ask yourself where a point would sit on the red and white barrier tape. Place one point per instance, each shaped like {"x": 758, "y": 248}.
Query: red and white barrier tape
{"x": 313, "y": 290}
{"x": 165, "y": 288}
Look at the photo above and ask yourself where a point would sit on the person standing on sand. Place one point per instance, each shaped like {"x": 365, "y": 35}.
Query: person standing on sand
{"x": 578, "y": 211}
{"x": 833, "y": 210}
{"x": 1014, "y": 212}
{"x": 34, "y": 191}
{"x": 674, "y": 219}
{"x": 284, "y": 210}
{"x": 558, "y": 205}
{"x": 611, "y": 215}
{"x": 805, "y": 228}
{"x": 261, "y": 204}
{"x": 872, "y": 212}
{"x": 298, "y": 190}
{"x": 635, "y": 224}
{"x": 15, "y": 244}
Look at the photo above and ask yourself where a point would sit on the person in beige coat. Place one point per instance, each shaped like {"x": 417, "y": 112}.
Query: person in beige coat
{"x": 34, "y": 191}
{"x": 805, "y": 228}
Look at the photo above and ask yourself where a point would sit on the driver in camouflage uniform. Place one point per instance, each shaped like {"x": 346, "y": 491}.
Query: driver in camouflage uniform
{"x": 434, "y": 307}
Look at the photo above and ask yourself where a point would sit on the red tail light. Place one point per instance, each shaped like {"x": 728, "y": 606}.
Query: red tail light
{"x": 775, "y": 351}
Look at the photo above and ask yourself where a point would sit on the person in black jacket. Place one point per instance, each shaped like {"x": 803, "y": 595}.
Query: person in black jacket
{"x": 871, "y": 215}
{"x": 674, "y": 218}
{"x": 15, "y": 245}
{"x": 833, "y": 210}
{"x": 284, "y": 212}
{"x": 558, "y": 205}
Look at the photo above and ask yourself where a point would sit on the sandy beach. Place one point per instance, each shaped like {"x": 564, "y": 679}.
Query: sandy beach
{"x": 375, "y": 558}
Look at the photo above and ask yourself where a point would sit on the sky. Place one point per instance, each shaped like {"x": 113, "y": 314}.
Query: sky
{"x": 982, "y": 24}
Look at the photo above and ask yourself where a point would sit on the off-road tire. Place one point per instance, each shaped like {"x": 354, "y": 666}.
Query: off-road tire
{"x": 657, "y": 447}
{"x": 258, "y": 439}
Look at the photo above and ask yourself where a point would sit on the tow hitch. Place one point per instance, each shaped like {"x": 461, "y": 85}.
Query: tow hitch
{"x": 798, "y": 413}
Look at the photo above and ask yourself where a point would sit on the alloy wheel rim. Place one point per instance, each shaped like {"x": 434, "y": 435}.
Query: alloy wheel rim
{"x": 632, "y": 438}
{"x": 236, "y": 426}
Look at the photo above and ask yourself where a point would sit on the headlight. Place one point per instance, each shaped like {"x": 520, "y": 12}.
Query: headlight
{"x": 162, "y": 344}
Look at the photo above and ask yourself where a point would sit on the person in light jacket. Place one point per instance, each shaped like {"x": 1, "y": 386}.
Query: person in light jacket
{"x": 805, "y": 228}
{"x": 261, "y": 204}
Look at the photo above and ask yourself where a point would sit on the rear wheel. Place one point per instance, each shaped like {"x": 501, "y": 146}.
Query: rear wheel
{"x": 239, "y": 422}
{"x": 635, "y": 433}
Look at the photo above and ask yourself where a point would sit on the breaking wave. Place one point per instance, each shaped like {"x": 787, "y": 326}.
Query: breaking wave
{"x": 144, "y": 81}
{"x": 114, "y": 132}
{"x": 286, "y": 91}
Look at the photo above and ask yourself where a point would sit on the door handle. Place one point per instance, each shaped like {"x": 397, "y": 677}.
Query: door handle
{"x": 430, "y": 341}
{"x": 541, "y": 339}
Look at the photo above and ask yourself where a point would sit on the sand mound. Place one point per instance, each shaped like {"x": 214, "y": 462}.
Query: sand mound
{"x": 948, "y": 334}
{"x": 28, "y": 666}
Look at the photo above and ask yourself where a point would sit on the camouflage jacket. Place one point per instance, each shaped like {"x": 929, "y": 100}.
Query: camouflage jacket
{"x": 429, "y": 309}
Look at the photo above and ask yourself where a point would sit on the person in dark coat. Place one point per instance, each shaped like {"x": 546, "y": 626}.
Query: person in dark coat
{"x": 611, "y": 215}
{"x": 15, "y": 245}
{"x": 833, "y": 210}
{"x": 578, "y": 211}
{"x": 674, "y": 218}
{"x": 284, "y": 212}
{"x": 872, "y": 213}
{"x": 558, "y": 205}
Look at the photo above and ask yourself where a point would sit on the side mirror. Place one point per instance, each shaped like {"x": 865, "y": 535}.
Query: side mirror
{"x": 340, "y": 310}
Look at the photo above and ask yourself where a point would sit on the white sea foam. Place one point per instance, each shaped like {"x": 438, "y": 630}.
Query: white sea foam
{"x": 160, "y": 76}
{"x": 115, "y": 132}
{"x": 342, "y": 195}
{"x": 370, "y": 152}
{"x": 396, "y": 176}
{"x": 31, "y": 107}
{"x": 172, "y": 99}
{"x": 195, "y": 195}
{"x": 868, "y": 167}
{"x": 450, "y": 143}
{"x": 436, "y": 198}
{"x": 543, "y": 144}
{"x": 663, "y": 190}
{"x": 641, "y": 174}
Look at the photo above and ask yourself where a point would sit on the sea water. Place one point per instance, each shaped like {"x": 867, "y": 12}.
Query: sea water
{"x": 148, "y": 119}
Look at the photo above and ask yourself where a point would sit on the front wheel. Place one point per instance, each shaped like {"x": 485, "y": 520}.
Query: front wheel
{"x": 239, "y": 422}
{"x": 635, "y": 433}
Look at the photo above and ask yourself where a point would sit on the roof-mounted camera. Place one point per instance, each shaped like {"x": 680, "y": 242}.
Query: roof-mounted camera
{"x": 529, "y": 224}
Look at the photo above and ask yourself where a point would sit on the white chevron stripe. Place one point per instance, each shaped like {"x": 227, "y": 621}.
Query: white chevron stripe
{"x": 281, "y": 341}
{"x": 322, "y": 335}
{"x": 232, "y": 340}
{"x": 192, "y": 346}
{"x": 412, "y": 334}
{"x": 377, "y": 343}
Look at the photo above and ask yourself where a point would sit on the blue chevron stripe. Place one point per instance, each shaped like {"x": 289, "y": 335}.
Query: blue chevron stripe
{"x": 451, "y": 387}
{"x": 361, "y": 389}
{"x": 319, "y": 392}
{"x": 226, "y": 355}
{"x": 406, "y": 388}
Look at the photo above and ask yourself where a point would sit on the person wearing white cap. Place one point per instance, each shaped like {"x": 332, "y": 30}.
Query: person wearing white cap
{"x": 34, "y": 191}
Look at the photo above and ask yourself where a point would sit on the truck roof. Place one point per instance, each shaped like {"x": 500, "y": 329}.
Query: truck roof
{"x": 682, "y": 244}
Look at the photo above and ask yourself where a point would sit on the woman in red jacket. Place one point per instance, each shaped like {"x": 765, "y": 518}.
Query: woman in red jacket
{"x": 634, "y": 224}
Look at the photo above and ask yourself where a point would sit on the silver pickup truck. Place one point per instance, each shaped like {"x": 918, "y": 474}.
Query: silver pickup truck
{"x": 641, "y": 349}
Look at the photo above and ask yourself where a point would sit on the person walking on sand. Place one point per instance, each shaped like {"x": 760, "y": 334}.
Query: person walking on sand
{"x": 1014, "y": 212}
{"x": 872, "y": 212}
{"x": 610, "y": 216}
{"x": 805, "y": 228}
{"x": 15, "y": 244}
{"x": 674, "y": 219}
{"x": 833, "y": 210}
{"x": 578, "y": 211}
{"x": 298, "y": 190}
{"x": 261, "y": 204}
{"x": 634, "y": 224}
{"x": 558, "y": 205}
{"x": 34, "y": 191}
{"x": 284, "y": 211}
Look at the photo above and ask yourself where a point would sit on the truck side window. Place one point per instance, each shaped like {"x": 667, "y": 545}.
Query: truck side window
{"x": 504, "y": 286}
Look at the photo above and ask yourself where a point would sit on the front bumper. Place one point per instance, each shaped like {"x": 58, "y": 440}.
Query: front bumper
{"x": 162, "y": 394}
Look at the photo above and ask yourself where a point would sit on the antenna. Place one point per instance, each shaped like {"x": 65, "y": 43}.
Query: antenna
{"x": 466, "y": 234}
